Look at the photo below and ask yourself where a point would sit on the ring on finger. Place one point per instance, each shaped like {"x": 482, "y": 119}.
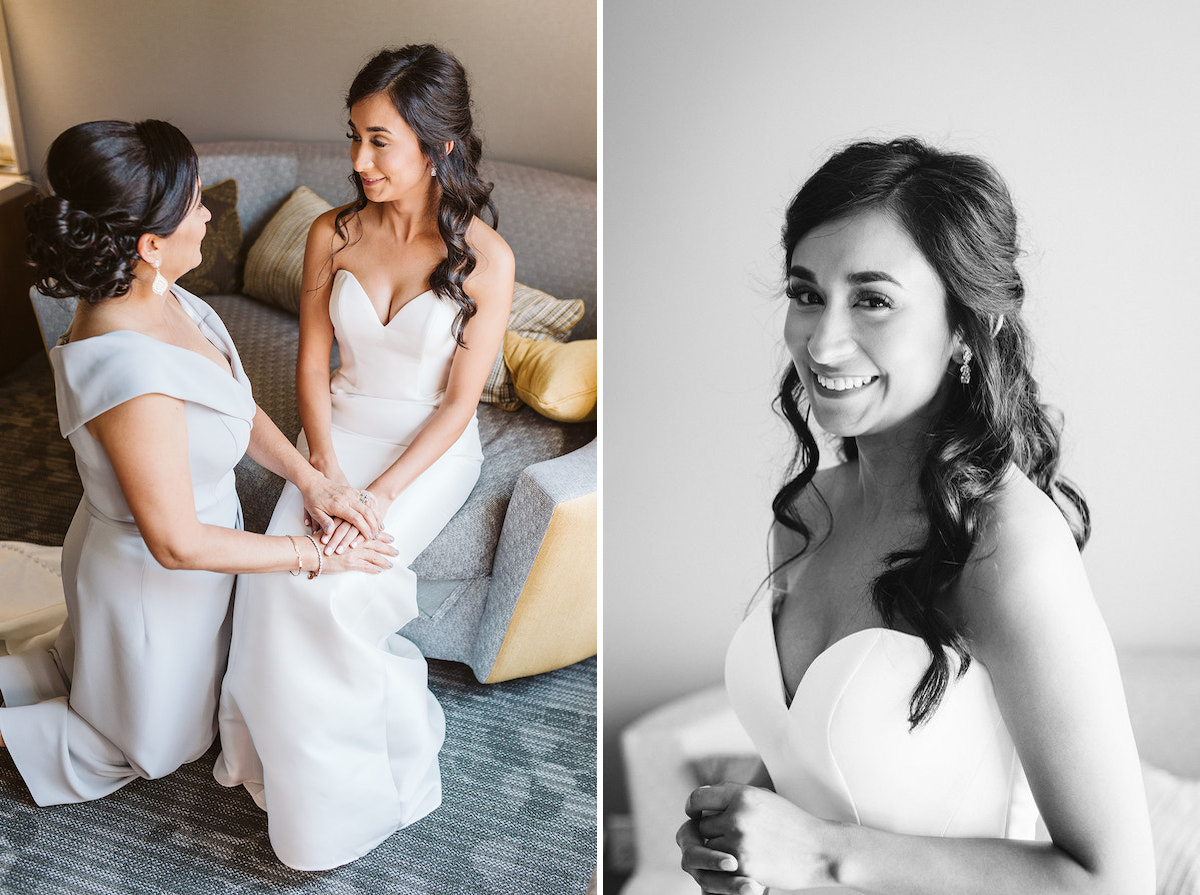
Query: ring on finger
{"x": 364, "y": 496}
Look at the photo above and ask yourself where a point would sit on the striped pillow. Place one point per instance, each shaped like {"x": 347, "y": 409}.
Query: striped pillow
{"x": 1174, "y": 805}
{"x": 534, "y": 315}
{"x": 275, "y": 263}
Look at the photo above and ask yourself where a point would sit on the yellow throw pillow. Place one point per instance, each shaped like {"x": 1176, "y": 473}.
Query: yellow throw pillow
{"x": 534, "y": 315}
{"x": 557, "y": 379}
{"x": 275, "y": 263}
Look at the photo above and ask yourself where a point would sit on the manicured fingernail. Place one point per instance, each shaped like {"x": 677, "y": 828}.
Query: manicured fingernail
{"x": 727, "y": 864}
{"x": 341, "y": 549}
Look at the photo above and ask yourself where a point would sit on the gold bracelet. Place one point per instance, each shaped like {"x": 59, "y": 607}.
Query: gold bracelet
{"x": 320, "y": 559}
{"x": 299, "y": 562}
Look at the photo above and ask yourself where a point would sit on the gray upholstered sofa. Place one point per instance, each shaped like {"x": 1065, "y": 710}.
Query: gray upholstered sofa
{"x": 509, "y": 587}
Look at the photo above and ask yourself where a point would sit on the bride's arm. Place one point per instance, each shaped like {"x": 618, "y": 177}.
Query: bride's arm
{"x": 146, "y": 440}
{"x": 316, "y": 345}
{"x": 491, "y": 287}
{"x": 1034, "y": 625}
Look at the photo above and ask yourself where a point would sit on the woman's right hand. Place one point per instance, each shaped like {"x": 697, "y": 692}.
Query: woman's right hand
{"x": 373, "y": 556}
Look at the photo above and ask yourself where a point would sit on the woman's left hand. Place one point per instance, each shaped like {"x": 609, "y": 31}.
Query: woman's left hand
{"x": 327, "y": 502}
{"x": 775, "y": 843}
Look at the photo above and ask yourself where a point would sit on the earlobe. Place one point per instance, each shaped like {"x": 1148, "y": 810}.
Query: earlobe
{"x": 147, "y": 247}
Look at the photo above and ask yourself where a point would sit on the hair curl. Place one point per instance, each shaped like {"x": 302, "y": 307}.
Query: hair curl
{"x": 110, "y": 181}
{"x": 429, "y": 89}
{"x": 959, "y": 212}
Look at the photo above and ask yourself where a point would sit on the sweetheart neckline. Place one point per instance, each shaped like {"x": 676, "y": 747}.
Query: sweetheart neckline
{"x": 783, "y": 688}
{"x": 375, "y": 313}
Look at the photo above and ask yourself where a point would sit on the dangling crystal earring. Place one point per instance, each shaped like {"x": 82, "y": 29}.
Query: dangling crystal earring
{"x": 160, "y": 284}
{"x": 964, "y": 372}
{"x": 432, "y": 171}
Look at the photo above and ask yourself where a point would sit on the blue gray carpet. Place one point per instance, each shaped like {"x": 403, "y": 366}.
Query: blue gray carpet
{"x": 518, "y": 814}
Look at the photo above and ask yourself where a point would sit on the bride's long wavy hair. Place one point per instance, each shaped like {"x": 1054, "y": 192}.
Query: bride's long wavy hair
{"x": 958, "y": 211}
{"x": 429, "y": 89}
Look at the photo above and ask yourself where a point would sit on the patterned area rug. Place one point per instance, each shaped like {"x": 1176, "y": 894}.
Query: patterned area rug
{"x": 39, "y": 486}
{"x": 518, "y": 814}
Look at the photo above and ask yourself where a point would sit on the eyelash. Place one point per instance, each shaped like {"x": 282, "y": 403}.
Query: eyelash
{"x": 797, "y": 293}
{"x": 872, "y": 300}
{"x": 355, "y": 138}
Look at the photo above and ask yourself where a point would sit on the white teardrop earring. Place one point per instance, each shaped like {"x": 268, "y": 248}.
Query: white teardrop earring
{"x": 160, "y": 284}
{"x": 432, "y": 172}
{"x": 964, "y": 372}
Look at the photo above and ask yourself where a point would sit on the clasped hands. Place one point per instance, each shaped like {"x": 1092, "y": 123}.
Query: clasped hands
{"x": 342, "y": 517}
{"x": 741, "y": 839}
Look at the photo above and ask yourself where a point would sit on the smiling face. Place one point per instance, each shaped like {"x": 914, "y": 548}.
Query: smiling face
{"x": 386, "y": 153}
{"x": 867, "y": 326}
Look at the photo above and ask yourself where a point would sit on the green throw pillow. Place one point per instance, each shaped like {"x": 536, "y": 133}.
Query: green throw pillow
{"x": 217, "y": 272}
{"x": 275, "y": 263}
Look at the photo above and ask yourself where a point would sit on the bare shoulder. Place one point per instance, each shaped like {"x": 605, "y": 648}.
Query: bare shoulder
{"x": 493, "y": 258}
{"x": 1025, "y": 574}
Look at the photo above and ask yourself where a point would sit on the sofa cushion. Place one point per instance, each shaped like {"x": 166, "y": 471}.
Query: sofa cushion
{"x": 534, "y": 315}
{"x": 217, "y": 272}
{"x": 275, "y": 263}
{"x": 557, "y": 379}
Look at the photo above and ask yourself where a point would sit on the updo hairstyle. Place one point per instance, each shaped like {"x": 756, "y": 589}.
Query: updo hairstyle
{"x": 110, "y": 182}
{"x": 958, "y": 211}
{"x": 429, "y": 89}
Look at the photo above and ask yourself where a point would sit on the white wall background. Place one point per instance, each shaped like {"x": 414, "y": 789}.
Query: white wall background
{"x": 715, "y": 112}
{"x": 279, "y": 69}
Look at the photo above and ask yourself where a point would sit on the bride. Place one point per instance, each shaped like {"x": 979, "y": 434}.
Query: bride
{"x": 930, "y": 674}
{"x": 325, "y": 715}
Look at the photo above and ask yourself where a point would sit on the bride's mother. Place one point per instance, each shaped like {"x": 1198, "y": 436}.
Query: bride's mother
{"x": 154, "y": 400}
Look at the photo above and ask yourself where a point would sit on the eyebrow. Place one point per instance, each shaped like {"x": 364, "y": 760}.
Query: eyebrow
{"x": 857, "y": 279}
{"x": 371, "y": 130}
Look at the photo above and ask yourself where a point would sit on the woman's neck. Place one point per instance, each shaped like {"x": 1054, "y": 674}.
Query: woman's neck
{"x": 412, "y": 217}
{"x": 139, "y": 309}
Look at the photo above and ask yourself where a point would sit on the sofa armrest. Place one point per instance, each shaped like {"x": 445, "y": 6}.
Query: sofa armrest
{"x": 540, "y": 612}
{"x": 54, "y": 315}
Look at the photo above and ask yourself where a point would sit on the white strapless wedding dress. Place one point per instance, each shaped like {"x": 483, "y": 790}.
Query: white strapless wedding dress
{"x": 326, "y": 717}
{"x": 843, "y": 750}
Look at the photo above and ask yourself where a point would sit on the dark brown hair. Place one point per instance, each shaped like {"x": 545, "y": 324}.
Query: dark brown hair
{"x": 110, "y": 182}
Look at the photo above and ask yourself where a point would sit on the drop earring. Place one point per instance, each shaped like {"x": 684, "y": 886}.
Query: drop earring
{"x": 432, "y": 171}
{"x": 964, "y": 372}
{"x": 160, "y": 284}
